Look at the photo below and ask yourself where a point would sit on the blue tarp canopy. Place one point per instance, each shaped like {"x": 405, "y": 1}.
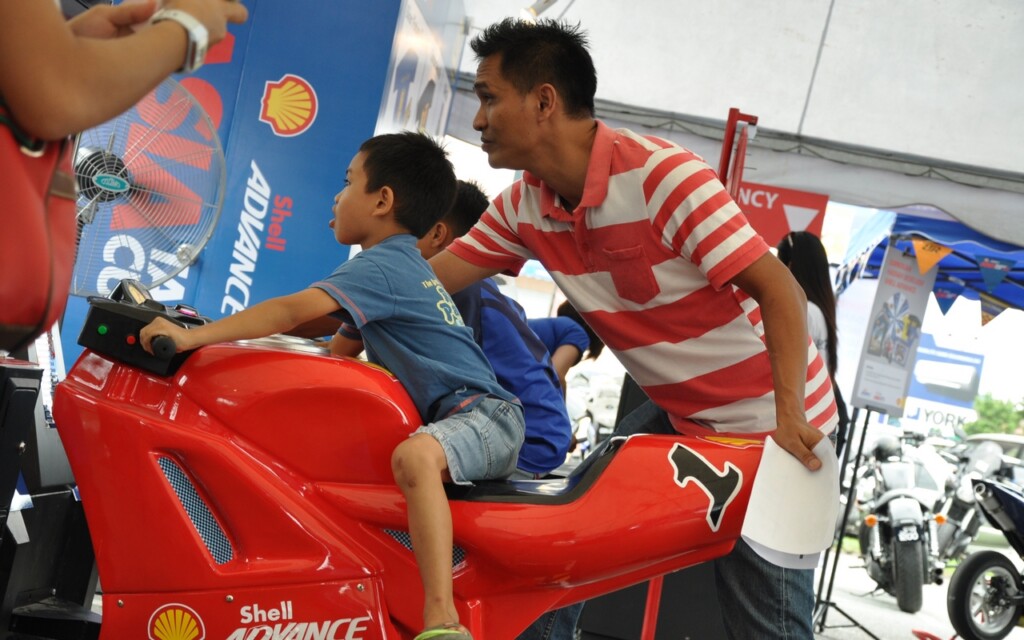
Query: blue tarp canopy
{"x": 867, "y": 250}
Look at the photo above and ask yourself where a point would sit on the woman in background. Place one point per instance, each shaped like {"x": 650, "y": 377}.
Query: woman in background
{"x": 59, "y": 77}
{"x": 805, "y": 256}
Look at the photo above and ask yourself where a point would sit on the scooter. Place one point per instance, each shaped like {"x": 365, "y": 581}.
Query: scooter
{"x": 985, "y": 600}
{"x": 244, "y": 491}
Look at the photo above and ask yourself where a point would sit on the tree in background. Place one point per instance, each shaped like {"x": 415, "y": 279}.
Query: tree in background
{"x": 996, "y": 416}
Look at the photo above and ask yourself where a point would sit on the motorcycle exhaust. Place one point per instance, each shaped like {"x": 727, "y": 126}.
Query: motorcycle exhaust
{"x": 992, "y": 507}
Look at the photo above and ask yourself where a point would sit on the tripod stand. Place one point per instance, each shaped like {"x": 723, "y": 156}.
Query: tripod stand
{"x": 823, "y": 604}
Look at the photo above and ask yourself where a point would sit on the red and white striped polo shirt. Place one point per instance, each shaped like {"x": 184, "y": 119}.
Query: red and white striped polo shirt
{"x": 646, "y": 258}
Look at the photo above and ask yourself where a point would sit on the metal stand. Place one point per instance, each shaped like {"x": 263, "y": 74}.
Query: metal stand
{"x": 823, "y": 604}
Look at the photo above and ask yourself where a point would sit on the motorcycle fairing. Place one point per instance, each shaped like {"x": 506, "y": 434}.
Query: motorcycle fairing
{"x": 720, "y": 486}
{"x": 1010, "y": 499}
{"x": 289, "y": 453}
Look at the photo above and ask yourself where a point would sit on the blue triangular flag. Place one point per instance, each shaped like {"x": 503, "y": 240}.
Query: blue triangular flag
{"x": 993, "y": 270}
{"x": 946, "y": 294}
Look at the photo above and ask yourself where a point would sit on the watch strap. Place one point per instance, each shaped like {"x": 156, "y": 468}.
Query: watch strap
{"x": 198, "y": 36}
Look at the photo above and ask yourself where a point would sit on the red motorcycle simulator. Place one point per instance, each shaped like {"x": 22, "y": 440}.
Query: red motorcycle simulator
{"x": 244, "y": 491}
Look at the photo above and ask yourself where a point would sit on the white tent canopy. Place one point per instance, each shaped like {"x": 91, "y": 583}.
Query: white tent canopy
{"x": 876, "y": 103}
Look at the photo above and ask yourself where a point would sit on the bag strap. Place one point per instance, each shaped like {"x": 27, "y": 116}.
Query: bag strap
{"x": 33, "y": 147}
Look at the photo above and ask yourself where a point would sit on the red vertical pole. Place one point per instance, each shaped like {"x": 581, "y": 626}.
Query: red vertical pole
{"x": 730, "y": 132}
{"x": 735, "y": 116}
{"x": 651, "y": 610}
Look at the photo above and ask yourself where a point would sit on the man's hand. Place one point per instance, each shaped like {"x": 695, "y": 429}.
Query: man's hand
{"x": 105, "y": 21}
{"x": 799, "y": 438}
{"x": 163, "y": 327}
{"x": 214, "y": 14}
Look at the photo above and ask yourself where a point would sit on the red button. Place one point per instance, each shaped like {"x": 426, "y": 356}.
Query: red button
{"x": 130, "y": 339}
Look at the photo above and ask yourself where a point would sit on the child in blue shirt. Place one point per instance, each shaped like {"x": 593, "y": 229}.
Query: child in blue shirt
{"x": 519, "y": 358}
{"x": 396, "y": 187}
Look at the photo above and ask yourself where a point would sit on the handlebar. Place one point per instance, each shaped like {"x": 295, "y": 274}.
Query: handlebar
{"x": 164, "y": 347}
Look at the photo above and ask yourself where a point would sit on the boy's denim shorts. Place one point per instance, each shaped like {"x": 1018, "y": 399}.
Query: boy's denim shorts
{"x": 481, "y": 443}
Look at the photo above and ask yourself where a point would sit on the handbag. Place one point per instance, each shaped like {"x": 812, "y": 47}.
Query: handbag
{"x": 37, "y": 232}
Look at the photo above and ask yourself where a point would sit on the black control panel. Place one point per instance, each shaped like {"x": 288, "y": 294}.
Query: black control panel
{"x": 112, "y": 328}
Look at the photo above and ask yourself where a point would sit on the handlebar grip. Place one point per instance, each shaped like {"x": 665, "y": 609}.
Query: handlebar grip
{"x": 164, "y": 347}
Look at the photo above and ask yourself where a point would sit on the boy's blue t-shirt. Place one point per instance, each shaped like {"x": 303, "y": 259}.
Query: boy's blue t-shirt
{"x": 554, "y": 332}
{"x": 391, "y": 299}
{"x": 523, "y": 367}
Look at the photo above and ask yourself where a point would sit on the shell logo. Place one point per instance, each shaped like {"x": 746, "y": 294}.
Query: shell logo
{"x": 176, "y": 622}
{"x": 289, "y": 105}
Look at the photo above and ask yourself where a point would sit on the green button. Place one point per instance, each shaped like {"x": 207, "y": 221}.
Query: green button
{"x": 102, "y": 329}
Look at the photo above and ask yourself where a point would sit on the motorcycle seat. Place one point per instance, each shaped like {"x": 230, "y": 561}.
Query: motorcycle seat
{"x": 551, "y": 491}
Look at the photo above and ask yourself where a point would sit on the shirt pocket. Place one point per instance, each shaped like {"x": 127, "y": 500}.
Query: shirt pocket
{"x": 632, "y": 273}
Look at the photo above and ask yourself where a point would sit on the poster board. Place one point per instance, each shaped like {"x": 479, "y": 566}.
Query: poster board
{"x": 893, "y": 335}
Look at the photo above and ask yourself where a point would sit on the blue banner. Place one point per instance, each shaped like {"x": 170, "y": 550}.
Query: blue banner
{"x": 292, "y": 93}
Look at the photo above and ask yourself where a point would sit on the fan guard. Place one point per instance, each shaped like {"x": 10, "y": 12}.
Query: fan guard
{"x": 150, "y": 192}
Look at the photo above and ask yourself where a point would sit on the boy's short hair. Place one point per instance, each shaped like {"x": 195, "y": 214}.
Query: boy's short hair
{"x": 419, "y": 173}
{"x": 470, "y": 204}
{"x": 545, "y": 51}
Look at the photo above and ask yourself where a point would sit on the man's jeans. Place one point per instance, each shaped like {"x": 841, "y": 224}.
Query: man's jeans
{"x": 559, "y": 624}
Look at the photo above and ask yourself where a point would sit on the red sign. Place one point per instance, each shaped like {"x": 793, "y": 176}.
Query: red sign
{"x": 773, "y": 211}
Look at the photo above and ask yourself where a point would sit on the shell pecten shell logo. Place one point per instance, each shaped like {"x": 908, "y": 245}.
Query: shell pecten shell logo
{"x": 176, "y": 622}
{"x": 289, "y": 105}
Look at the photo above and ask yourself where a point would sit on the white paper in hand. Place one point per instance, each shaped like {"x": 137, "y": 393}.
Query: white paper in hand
{"x": 792, "y": 513}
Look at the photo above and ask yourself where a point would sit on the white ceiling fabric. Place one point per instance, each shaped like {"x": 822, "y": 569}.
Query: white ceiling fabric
{"x": 916, "y": 84}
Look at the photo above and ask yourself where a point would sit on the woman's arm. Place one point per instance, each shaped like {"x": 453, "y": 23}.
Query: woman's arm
{"x": 60, "y": 77}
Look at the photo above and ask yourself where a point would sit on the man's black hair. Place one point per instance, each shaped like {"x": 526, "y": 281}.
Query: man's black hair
{"x": 544, "y": 52}
{"x": 419, "y": 173}
{"x": 470, "y": 204}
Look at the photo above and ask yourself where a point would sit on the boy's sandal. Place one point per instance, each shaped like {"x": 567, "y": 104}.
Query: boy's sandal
{"x": 446, "y": 631}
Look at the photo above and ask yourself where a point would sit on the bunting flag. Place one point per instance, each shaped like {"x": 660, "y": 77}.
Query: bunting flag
{"x": 990, "y": 308}
{"x": 929, "y": 253}
{"x": 946, "y": 294}
{"x": 993, "y": 270}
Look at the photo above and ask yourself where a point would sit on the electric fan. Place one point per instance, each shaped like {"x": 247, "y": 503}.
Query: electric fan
{"x": 150, "y": 191}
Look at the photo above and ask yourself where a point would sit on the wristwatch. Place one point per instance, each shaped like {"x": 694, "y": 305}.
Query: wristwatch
{"x": 198, "y": 36}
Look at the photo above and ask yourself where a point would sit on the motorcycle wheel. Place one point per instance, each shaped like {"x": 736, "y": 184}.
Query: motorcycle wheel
{"x": 908, "y": 574}
{"x": 978, "y": 600}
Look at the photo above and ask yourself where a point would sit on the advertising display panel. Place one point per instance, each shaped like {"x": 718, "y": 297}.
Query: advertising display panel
{"x": 292, "y": 93}
{"x": 894, "y": 331}
{"x": 774, "y": 212}
{"x": 943, "y": 388}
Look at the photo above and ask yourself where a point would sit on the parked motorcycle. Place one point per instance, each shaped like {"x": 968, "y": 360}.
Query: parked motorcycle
{"x": 958, "y": 512}
{"x": 592, "y": 401}
{"x": 898, "y": 536}
{"x": 985, "y": 600}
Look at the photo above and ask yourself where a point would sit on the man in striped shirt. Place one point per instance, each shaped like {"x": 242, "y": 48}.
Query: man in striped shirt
{"x": 647, "y": 244}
